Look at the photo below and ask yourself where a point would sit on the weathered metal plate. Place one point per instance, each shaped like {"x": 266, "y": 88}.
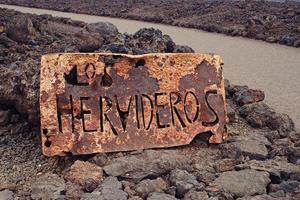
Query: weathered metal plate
{"x": 113, "y": 102}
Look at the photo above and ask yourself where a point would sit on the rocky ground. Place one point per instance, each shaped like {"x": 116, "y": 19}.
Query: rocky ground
{"x": 259, "y": 160}
{"x": 274, "y": 22}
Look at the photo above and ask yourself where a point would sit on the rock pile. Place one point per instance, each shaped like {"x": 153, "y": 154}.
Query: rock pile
{"x": 270, "y": 21}
{"x": 259, "y": 160}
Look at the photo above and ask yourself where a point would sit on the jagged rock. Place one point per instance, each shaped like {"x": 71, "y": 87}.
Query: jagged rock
{"x": 280, "y": 122}
{"x": 183, "y": 181}
{"x": 281, "y": 167}
{"x": 6, "y": 195}
{"x": 194, "y": 195}
{"x": 252, "y": 145}
{"x": 7, "y": 42}
{"x": 160, "y": 196}
{"x": 86, "y": 174}
{"x": 149, "y": 40}
{"x": 148, "y": 186}
{"x": 256, "y": 114}
{"x": 20, "y": 29}
{"x": 243, "y": 183}
{"x": 149, "y": 163}
{"x": 48, "y": 187}
{"x": 248, "y": 96}
{"x": 260, "y": 115}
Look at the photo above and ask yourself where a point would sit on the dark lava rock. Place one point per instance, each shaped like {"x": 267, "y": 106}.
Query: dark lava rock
{"x": 247, "y": 96}
{"x": 243, "y": 183}
{"x": 183, "y": 181}
{"x": 147, "y": 186}
{"x": 106, "y": 29}
{"x": 149, "y": 40}
{"x": 256, "y": 114}
{"x": 287, "y": 40}
{"x": 4, "y": 117}
{"x": 48, "y": 186}
{"x": 280, "y": 122}
{"x": 149, "y": 163}
{"x": 230, "y": 113}
{"x": 6, "y": 42}
{"x": 160, "y": 196}
{"x": 290, "y": 186}
{"x": 20, "y": 29}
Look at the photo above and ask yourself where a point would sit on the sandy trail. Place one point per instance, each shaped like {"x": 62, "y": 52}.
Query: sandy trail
{"x": 272, "y": 68}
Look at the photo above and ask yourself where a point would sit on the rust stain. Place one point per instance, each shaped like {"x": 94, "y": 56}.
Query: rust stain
{"x": 105, "y": 102}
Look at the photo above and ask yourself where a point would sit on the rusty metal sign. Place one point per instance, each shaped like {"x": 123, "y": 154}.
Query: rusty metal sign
{"x": 113, "y": 102}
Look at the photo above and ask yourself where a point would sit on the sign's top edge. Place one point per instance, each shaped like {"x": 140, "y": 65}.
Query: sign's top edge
{"x": 131, "y": 55}
{"x": 138, "y": 56}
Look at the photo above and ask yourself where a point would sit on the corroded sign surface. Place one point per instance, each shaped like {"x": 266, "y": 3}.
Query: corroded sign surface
{"x": 112, "y": 102}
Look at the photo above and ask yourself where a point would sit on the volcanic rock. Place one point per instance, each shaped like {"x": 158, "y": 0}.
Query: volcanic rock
{"x": 148, "y": 186}
{"x": 243, "y": 183}
{"x": 20, "y": 29}
{"x": 183, "y": 181}
{"x": 48, "y": 186}
{"x": 86, "y": 174}
{"x": 247, "y": 96}
{"x": 160, "y": 196}
{"x": 4, "y": 117}
{"x": 149, "y": 163}
{"x": 194, "y": 195}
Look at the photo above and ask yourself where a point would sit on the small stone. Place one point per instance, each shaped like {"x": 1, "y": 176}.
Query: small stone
{"x": 288, "y": 40}
{"x": 248, "y": 96}
{"x": 230, "y": 113}
{"x": 277, "y": 194}
{"x": 86, "y": 174}
{"x": 271, "y": 39}
{"x": 194, "y": 195}
{"x": 20, "y": 29}
{"x": 160, "y": 196}
{"x": 100, "y": 159}
{"x": 297, "y": 43}
{"x": 48, "y": 186}
{"x": 4, "y": 117}
{"x": 225, "y": 165}
{"x": 110, "y": 188}
{"x": 243, "y": 183}
{"x": 148, "y": 186}
{"x": 183, "y": 181}
{"x": 6, "y": 195}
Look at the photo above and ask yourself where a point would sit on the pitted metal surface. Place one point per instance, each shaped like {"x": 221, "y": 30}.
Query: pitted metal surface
{"x": 114, "y": 102}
